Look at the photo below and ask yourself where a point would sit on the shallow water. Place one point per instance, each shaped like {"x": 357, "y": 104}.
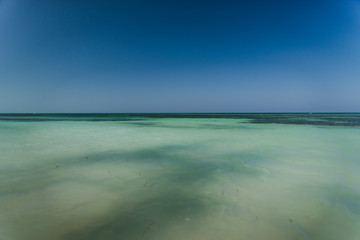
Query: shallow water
{"x": 180, "y": 176}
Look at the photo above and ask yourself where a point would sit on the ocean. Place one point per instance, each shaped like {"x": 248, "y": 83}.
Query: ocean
{"x": 180, "y": 176}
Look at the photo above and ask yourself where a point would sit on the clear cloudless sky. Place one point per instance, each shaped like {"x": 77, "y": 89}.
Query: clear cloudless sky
{"x": 179, "y": 56}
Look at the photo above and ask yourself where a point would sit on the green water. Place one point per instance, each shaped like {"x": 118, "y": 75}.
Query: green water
{"x": 180, "y": 176}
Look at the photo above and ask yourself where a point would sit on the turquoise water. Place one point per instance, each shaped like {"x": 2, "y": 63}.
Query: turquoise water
{"x": 180, "y": 176}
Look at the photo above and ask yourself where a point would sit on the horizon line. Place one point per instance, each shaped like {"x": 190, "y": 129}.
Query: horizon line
{"x": 38, "y": 113}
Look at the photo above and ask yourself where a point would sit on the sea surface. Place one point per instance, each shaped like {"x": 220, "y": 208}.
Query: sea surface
{"x": 180, "y": 176}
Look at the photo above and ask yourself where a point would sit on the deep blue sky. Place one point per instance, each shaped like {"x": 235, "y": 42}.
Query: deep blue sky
{"x": 179, "y": 56}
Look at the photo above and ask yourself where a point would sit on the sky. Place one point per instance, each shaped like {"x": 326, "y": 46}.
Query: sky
{"x": 179, "y": 56}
